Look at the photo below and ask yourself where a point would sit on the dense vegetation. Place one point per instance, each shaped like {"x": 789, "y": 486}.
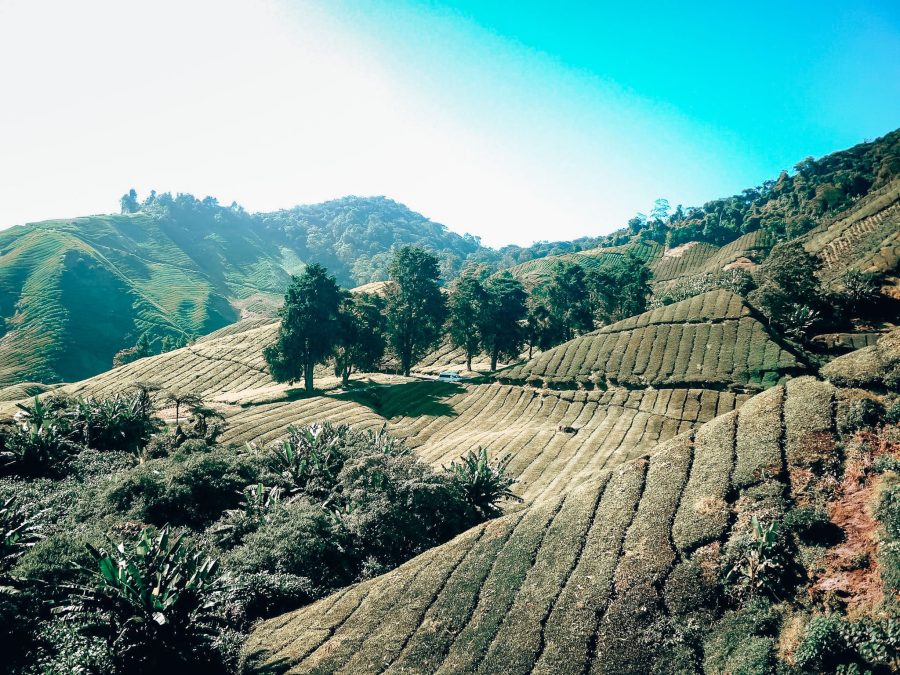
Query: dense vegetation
{"x": 129, "y": 548}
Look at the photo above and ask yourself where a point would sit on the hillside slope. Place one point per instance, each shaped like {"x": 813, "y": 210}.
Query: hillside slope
{"x": 568, "y": 584}
{"x": 74, "y": 292}
{"x": 712, "y": 340}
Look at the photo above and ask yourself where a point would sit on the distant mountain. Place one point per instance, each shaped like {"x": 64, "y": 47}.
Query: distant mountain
{"x": 74, "y": 292}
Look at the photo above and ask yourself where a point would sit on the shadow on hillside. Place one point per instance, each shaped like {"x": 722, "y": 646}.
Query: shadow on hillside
{"x": 409, "y": 399}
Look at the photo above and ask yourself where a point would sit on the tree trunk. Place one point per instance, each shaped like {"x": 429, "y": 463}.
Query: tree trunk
{"x": 308, "y": 376}
{"x": 469, "y": 362}
{"x": 530, "y": 347}
{"x": 346, "y": 376}
{"x": 494, "y": 356}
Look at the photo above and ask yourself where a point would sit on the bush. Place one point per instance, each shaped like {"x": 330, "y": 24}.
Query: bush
{"x": 300, "y": 539}
{"x": 194, "y": 490}
{"x": 123, "y": 422}
{"x": 864, "y": 413}
{"x": 831, "y": 641}
{"x": 757, "y": 562}
{"x": 482, "y": 483}
{"x": 743, "y": 641}
{"x": 397, "y": 506}
{"x": 259, "y": 595}
{"x": 37, "y": 450}
{"x": 810, "y": 523}
{"x": 154, "y": 601}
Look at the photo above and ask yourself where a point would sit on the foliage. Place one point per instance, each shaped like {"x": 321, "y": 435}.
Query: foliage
{"x": 416, "y": 308}
{"x": 18, "y": 532}
{"x": 810, "y": 523}
{"x": 620, "y": 291}
{"x": 309, "y": 325}
{"x": 187, "y": 490}
{"x": 153, "y": 600}
{"x": 830, "y": 640}
{"x": 791, "y": 204}
{"x": 361, "y": 342}
{"x": 465, "y": 307}
{"x": 298, "y": 538}
{"x": 500, "y": 320}
{"x": 481, "y": 482}
{"x": 738, "y": 281}
{"x": 760, "y": 565}
{"x": 123, "y": 422}
{"x": 864, "y": 413}
{"x": 789, "y": 293}
{"x": 743, "y": 641}
{"x": 568, "y": 300}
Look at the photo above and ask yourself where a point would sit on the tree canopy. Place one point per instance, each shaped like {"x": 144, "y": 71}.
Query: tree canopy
{"x": 309, "y": 326}
{"x": 416, "y": 307}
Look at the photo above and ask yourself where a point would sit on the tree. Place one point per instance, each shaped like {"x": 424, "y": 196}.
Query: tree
{"x": 360, "y": 344}
{"x": 619, "y": 292}
{"x": 182, "y": 399}
{"x": 789, "y": 293}
{"x": 129, "y": 202}
{"x": 502, "y": 312}
{"x": 465, "y": 306}
{"x": 309, "y": 326}
{"x": 569, "y": 303}
{"x": 416, "y": 308}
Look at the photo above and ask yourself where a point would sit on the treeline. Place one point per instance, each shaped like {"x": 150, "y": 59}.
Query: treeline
{"x": 788, "y": 206}
{"x": 479, "y": 313}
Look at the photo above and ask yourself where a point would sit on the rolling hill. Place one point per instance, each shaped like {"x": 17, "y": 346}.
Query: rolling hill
{"x": 608, "y": 575}
{"x": 75, "y": 292}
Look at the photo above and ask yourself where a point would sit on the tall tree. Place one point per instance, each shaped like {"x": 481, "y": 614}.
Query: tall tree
{"x": 416, "y": 308}
{"x": 129, "y": 202}
{"x": 360, "y": 344}
{"x": 621, "y": 291}
{"x": 502, "y": 312}
{"x": 568, "y": 300}
{"x": 309, "y": 326}
{"x": 467, "y": 298}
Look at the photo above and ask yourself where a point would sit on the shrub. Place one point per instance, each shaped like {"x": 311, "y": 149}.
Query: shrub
{"x": 759, "y": 563}
{"x": 194, "y": 490}
{"x": 743, "y": 641}
{"x": 123, "y": 422}
{"x": 259, "y": 595}
{"x": 300, "y": 539}
{"x": 864, "y": 413}
{"x": 482, "y": 483}
{"x": 154, "y": 602}
{"x": 810, "y": 523}
{"x": 397, "y": 506}
{"x": 18, "y": 532}
{"x": 37, "y": 450}
{"x": 831, "y": 641}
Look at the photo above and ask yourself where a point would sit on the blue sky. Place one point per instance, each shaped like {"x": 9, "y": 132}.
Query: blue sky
{"x": 515, "y": 121}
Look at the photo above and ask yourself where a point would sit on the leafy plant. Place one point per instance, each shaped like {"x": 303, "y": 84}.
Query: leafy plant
{"x": 310, "y": 458}
{"x": 154, "y": 601}
{"x": 759, "y": 566}
{"x": 123, "y": 422}
{"x": 18, "y": 532}
{"x": 481, "y": 482}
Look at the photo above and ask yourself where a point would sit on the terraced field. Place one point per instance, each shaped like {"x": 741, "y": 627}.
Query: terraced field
{"x": 580, "y": 580}
{"x": 556, "y": 439}
{"x": 711, "y": 340}
{"x": 866, "y": 238}
{"x": 701, "y": 258}
{"x": 533, "y": 272}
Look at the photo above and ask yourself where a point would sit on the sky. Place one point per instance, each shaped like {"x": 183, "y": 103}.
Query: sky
{"x": 514, "y": 121}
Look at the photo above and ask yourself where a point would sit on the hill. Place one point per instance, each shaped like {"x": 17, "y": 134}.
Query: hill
{"x": 623, "y": 572}
{"x": 75, "y": 292}
{"x": 712, "y": 340}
